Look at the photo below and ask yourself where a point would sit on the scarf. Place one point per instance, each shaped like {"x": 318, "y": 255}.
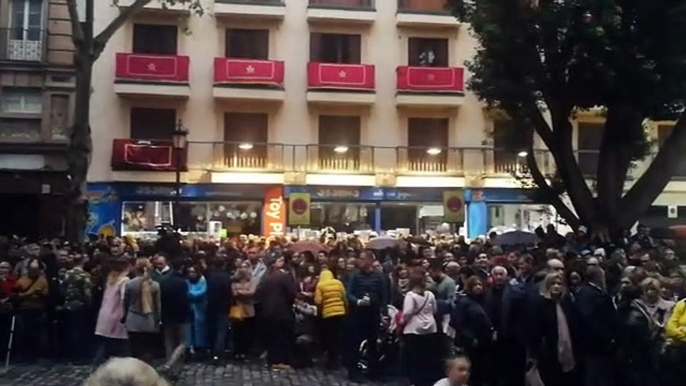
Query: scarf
{"x": 565, "y": 355}
{"x": 404, "y": 286}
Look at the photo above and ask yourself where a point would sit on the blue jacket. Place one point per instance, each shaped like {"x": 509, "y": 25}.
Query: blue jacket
{"x": 368, "y": 283}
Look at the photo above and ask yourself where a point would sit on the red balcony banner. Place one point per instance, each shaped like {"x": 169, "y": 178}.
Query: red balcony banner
{"x": 340, "y": 76}
{"x": 154, "y": 68}
{"x": 431, "y": 79}
{"x": 130, "y": 154}
{"x": 242, "y": 71}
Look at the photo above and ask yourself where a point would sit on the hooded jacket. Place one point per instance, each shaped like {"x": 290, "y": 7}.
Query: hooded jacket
{"x": 330, "y": 295}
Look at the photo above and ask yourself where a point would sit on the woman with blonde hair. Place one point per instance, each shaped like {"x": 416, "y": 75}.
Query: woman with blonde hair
{"x": 659, "y": 309}
{"x": 553, "y": 335}
{"x": 143, "y": 311}
{"x": 125, "y": 372}
{"x": 109, "y": 327}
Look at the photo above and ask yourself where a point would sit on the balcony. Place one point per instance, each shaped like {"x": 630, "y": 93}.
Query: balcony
{"x": 430, "y": 86}
{"x": 434, "y": 160}
{"x": 245, "y": 79}
{"x": 341, "y": 11}
{"x": 143, "y": 155}
{"x": 337, "y": 83}
{"x": 24, "y": 45}
{"x": 340, "y": 159}
{"x": 160, "y": 7}
{"x": 425, "y": 13}
{"x": 142, "y": 75}
{"x": 250, "y": 9}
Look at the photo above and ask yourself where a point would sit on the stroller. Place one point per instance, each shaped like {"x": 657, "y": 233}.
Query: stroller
{"x": 388, "y": 344}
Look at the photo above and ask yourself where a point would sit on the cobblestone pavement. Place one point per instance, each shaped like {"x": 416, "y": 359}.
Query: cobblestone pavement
{"x": 192, "y": 375}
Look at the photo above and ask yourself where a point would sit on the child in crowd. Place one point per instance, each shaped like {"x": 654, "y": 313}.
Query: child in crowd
{"x": 457, "y": 371}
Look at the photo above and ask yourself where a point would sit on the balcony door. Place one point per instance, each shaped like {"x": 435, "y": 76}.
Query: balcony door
{"x": 246, "y": 136}
{"x": 247, "y": 44}
{"x": 26, "y": 24}
{"x": 339, "y": 143}
{"x": 590, "y": 136}
{"x": 427, "y": 139}
{"x": 663, "y": 133}
{"x": 155, "y": 39}
{"x": 152, "y": 124}
{"x": 335, "y": 48}
{"x": 508, "y": 148}
{"x": 428, "y": 52}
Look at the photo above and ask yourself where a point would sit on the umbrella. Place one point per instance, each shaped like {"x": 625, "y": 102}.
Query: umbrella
{"x": 516, "y": 237}
{"x": 382, "y": 242}
{"x": 679, "y": 231}
{"x": 418, "y": 240}
{"x": 308, "y": 246}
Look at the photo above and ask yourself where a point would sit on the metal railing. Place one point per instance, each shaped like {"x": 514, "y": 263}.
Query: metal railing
{"x": 423, "y": 6}
{"x": 22, "y": 44}
{"x": 343, "y": 4}
{"x": 356, "y": 159}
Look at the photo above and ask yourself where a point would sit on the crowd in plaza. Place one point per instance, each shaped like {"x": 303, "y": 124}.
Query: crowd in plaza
{"x": 559, "y": 310}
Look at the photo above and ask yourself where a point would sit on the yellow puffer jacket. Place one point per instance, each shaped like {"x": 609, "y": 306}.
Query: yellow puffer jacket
{"x": 330, "y": 295}
{"x": 676, "y": 326}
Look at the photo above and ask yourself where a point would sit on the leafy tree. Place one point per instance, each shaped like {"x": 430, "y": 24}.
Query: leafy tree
{"x": 88, "y": 47}
{"x": 543, "y": 61}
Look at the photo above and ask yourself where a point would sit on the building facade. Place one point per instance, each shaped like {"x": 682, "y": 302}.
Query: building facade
{"x": 36, "y": 88}
{"x": 359, "y": 103}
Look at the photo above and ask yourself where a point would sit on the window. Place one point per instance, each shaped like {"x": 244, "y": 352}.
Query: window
{"x": 152, "y": 124}
{"x": 590, "y": 136}
{"x": 428, "y": 52}
{"x": 26, "y": 19}
{"x": 247, "y": 44}
{"x": 155, "y": 39}
{"x": 508, "y": 143}
{"x": 339, "y": 139}
{"x": 335, "y": 48}
{"x": 22, "y": 102}
{"x": 663, "y": 133}
{"x": 424, "y": 134}
{"x": 246, "y": 135}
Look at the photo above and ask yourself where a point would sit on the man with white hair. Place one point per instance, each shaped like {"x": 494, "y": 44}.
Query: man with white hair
{"x": 125, "y": 372}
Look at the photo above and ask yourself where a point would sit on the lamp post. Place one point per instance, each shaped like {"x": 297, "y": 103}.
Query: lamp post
{"x": 179, "y": 139}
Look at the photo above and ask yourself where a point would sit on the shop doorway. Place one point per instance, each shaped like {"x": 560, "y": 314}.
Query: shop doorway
{"x": 20, "y": 215}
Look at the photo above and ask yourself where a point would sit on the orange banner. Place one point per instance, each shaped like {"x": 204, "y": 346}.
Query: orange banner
{"x": 274, "y": 212}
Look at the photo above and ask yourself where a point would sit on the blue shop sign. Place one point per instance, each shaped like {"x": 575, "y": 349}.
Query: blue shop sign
{"x": 165, "y": 191}
{"x": 496, "y": 195}
{"x": 344, "y": 193}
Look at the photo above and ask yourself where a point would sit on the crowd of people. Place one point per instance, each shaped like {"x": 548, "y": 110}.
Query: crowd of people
{"x": 561, "y": 311}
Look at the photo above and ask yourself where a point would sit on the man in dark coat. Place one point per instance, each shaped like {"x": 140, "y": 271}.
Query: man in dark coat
{"x": 279, "y": 290}
{"x": 367, "y": 299}
{"x": 599, "y": 319}
{"x": 175, "y": 313}
{"x": 218, "y": 303}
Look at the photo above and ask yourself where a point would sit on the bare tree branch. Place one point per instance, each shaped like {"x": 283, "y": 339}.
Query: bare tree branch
{"x": 103, "y": 37}
{"x": 76, "y": 29}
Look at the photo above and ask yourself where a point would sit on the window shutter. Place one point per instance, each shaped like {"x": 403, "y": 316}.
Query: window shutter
{"x": 152, "y": 124}
{"x": 316, "y": 54}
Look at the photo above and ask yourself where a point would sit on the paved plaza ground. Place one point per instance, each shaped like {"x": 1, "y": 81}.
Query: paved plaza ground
{"x": 192, "y": 375}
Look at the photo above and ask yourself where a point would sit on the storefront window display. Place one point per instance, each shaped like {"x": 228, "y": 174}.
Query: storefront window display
{"x": 527, "y": 217}
{"x": 142, "y": 218}
{"x": 343, "y": 217}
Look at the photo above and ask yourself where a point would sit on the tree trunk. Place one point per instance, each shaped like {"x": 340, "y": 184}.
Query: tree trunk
{"x": 80, "y": 147}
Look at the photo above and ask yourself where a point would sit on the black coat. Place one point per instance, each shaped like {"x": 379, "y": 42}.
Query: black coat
{"x": 471, "y": 323}
{"x": 219, "y": 293}
{"x": 599, "y": 318}
{"x": 542, "y": 342}
{"x": 279, "y": 290}
{"x": 176, "y": 306}
{"x": 638, "y": 346}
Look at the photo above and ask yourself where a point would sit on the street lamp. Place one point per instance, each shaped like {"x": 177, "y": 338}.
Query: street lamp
{"x": 179, "y": 139}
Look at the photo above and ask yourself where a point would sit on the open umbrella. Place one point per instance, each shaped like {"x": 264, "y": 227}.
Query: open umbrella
{"x": 418, "y": 241}
{"x": 516, "y": 237}
{"x": 308, "y": 246}
{"x": 679, "y": 231}
{"x": 382, "y": 242}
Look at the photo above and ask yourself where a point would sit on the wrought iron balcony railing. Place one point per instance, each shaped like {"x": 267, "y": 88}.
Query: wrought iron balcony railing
{"x": 22, "y": 44}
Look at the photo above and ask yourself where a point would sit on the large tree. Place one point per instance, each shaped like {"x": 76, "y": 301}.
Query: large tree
{"x": 543, "y": 61}
{"x": 88, "y": 46}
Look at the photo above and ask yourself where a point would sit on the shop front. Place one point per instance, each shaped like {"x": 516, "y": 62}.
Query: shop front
{"x": 501, "y": 210}
{"x": 204, "y": 210}
{"x": 350, "y": 209}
